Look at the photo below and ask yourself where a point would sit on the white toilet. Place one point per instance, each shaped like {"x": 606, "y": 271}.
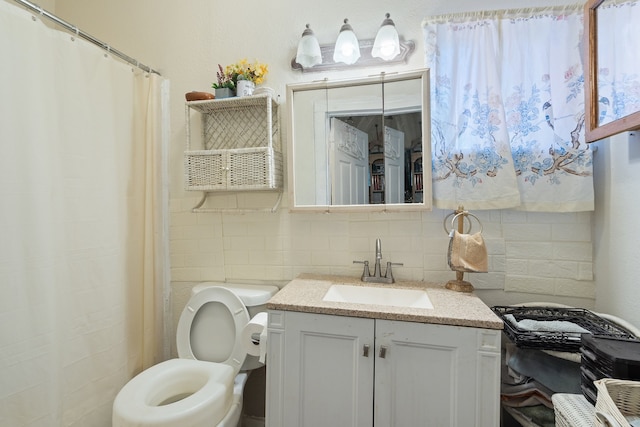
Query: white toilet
{"x": 203, "y": 387}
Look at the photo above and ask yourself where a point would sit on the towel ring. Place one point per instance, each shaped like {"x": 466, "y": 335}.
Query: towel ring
{"x": 453, "y": 221}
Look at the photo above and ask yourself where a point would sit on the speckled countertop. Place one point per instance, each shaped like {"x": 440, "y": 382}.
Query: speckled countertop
{"x": 305, "y": 294}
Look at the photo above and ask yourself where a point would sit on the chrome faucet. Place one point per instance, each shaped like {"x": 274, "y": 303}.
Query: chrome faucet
{"x": 377, "y": 276}
{"x": 376, "y": 271}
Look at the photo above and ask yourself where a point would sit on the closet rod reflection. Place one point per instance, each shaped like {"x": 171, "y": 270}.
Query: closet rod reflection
{"x": 73, "y": 29}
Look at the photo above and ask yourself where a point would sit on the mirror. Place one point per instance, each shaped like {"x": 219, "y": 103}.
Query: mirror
{"x": 359, "y": 144}
{"x": 612, "y": 79}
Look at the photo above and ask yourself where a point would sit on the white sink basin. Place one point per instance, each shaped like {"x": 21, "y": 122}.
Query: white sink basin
{"x": 394, "y": 297}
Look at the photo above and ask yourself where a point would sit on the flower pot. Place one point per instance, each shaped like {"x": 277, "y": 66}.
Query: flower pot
{"x": 245, "y": 87}
{"x": 224, "y": 92}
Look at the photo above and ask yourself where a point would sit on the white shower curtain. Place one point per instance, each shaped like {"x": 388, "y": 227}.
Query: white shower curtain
{"x": 81, "y": 225}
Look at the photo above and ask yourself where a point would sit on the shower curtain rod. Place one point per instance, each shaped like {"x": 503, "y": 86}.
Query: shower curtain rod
{"x": 73, "y": 29}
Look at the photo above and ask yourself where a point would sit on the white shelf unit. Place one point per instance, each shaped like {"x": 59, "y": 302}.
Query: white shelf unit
{"x": 239, "y": 148}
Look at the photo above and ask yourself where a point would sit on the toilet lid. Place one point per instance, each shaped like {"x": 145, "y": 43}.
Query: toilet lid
{"x": 210, "y": 328}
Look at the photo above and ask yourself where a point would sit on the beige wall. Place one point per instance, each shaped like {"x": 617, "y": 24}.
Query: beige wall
{"x": 49, "y": 5}
{"x": 541, "y": 257}
{"x": 616, "y": 230}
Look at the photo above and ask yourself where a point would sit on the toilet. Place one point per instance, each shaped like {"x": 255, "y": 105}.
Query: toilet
{"x": 204, "y": 385}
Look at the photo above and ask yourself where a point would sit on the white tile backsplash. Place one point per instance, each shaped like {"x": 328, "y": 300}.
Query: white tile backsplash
{"x": 549, "y": 254}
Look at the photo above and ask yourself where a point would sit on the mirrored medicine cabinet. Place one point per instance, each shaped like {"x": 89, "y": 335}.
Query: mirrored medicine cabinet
{"x": 360, "y": 144}
{"x": 612, "y": 79}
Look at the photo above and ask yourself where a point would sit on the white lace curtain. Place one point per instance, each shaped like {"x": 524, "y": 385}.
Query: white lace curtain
{"x": 507, "y": 107}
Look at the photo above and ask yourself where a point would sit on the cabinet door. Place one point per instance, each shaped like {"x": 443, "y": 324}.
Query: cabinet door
{"x": 328, "y": 381}
{"x": 436, "y": 375}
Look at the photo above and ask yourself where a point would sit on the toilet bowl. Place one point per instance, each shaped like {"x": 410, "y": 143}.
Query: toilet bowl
{"x": 203, "y": 387}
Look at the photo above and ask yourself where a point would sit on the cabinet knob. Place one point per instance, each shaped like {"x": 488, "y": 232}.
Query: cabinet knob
{"x": 383, "y": 351}
{"x": 365, "y": 350}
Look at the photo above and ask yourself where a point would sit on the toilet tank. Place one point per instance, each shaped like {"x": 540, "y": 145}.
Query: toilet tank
{"x": 254, "y": 297}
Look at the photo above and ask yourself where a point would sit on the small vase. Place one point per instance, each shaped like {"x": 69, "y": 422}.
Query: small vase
{"x": 245, "y": 87}
{"x": 224, "y": 92}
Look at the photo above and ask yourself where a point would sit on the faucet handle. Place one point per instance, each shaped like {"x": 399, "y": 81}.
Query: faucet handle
{"x": 365, "y": 272}
{"x": 389, "y": 272}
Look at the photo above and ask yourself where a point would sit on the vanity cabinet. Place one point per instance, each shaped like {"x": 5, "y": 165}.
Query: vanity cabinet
{"x": 325, "y": 370}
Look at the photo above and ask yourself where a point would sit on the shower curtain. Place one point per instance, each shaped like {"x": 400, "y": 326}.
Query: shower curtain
{"x": 82, "y": 223}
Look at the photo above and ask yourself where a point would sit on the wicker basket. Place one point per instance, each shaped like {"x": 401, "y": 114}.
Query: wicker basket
{"x": 233, "y": 169}
{"x": 572, "y": 410}
{"x": 616, "y": 399}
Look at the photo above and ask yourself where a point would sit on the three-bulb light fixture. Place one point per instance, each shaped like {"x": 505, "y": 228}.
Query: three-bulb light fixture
{"x": 387, "y": 47}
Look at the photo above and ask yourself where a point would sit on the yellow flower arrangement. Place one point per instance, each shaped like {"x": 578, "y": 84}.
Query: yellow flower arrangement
{"x": 243, "y": 70}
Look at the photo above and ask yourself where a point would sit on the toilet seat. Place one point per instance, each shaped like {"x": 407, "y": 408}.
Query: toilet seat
{"x": 176, "y": 392}
{"x": 201, "y": 387}
{"x": 194, "y": 312}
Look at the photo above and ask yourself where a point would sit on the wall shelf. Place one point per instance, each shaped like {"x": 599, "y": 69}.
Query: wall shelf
{"x": 239, "y": 148}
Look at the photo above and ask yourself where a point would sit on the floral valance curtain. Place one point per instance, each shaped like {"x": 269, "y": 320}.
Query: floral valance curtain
{"x": 507, "y": 107}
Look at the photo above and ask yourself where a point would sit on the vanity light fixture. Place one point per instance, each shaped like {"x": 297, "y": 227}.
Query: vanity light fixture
{"x": 387, "y": 43}
{"x": 308, "y": 53}
{"x": 347, "y": 47}
{"x": 388, "y": 48}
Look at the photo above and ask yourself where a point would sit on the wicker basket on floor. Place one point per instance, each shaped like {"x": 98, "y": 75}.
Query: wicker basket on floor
{"x": 616, "y": 398}
{"x": 572, "y": 410}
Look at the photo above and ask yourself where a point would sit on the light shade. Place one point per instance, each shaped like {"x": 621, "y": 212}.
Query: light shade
{"x": 347, "y": 48}
{"x": 308, "y": 53}
{"x": 387, "y": 43}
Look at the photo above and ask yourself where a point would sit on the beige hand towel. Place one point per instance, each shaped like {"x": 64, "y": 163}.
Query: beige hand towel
{"x": 467, "y": 252}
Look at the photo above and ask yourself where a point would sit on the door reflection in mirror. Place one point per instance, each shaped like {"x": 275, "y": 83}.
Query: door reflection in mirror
{"x": 349, "y": 164}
